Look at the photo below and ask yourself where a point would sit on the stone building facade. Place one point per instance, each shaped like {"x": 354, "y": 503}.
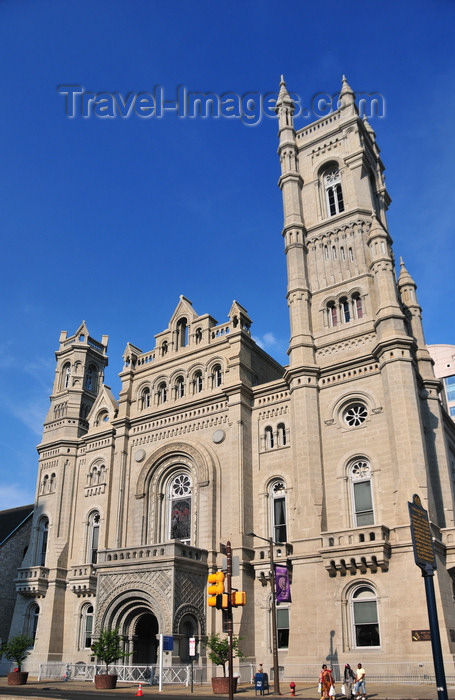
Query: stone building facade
{"x": 211, "y": 439}
{"x": 15, "y": 529}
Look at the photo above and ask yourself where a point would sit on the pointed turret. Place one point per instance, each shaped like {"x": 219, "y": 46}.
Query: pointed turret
{"x": 413, "y": 312}
{"x": 285, "y": 110}
{"x": 347, "y": 97}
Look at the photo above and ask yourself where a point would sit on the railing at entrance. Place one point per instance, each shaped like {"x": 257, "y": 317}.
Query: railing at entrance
{"x": 149, "y": 675}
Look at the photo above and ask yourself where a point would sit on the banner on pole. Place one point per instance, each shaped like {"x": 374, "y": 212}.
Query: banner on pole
{"x": 282, "y": 584}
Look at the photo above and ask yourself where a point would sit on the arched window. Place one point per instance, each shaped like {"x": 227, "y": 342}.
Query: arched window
{"x": 281, "y": 435}
{"x": 94, "y": 475}
{"x": 216, "y": 376}
{"x": 278, "y": 503}
{"x": 43, "y": 532}
{"x": 179, "y": 387}
{"x": 269, "y": 438}
{"x": 93, "y": 536}
{"x": 90, "y": 379}
{"x": 198, "y": 335}
{"x": 182, "y": 333}
{"x": 86, "y": 627}
{"x": 145, "y": 398}
{"x": 357, "y": 306}
{"x": 45, "y": 486}
{"x": 66, "y": 374}
{"x": 362, "y": 500}
{"x": 364, "y": 617}
{"x": 164, "y": 348}
{"x": 180, "y": 500}
{"x": 32, "y": 618}
{"x": 345, "y": 310}
{"x": 332, "y": 314}
{"x": 162, "y": 393}
{"x": 52, "y": 482}
{"x": 333, "y": 192}
{"x": 198, "y": 382}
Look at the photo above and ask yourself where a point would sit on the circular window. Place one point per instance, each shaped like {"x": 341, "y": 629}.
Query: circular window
{"x": 181, "y": 485}
{"x": 355, "y": 415}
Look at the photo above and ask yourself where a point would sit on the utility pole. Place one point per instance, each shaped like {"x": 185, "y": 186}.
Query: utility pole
{"x": 271, "y": 579}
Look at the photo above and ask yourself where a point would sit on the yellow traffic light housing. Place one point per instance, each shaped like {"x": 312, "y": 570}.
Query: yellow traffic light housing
{"x": 217, "y": 597}
{"x": 238, "y": 598}
{"x": 216, "y": 582}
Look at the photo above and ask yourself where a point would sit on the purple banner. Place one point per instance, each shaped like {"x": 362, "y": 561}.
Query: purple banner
{"x": 282, "y": 584}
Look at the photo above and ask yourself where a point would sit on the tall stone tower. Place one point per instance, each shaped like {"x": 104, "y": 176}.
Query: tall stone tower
{"x": 365, "y": 412}
{"x": 80, "y": 365}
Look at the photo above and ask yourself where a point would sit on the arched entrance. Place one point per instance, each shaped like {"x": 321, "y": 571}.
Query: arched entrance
{"x": 145, "y": 642}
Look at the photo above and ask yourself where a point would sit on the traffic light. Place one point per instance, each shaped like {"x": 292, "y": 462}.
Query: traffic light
{"x": 217, "y": 597}
{"x": 238, "y": 598}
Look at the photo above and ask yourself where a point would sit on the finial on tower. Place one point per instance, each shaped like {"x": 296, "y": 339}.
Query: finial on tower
{"x": 347, "y": 96}
{"x": 284, "y": 97}
{"x": 404, "y": 277}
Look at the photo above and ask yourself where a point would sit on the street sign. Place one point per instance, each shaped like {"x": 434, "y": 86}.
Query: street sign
{"x": 168, "y": 643}
{"x": 192, "y": 646}
{"x": 422, "y": 540}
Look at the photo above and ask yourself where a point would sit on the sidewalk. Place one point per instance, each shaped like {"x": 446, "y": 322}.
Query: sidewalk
{"x": 305, "y": 691}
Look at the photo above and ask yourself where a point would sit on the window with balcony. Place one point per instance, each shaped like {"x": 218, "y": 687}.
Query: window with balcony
{"x": 43, "y": 533}
{"x": 180, "y": 506}
{"x": 277, "y": 495}
{"x": 93, "y": 536}
{"x": 362, "y": 498}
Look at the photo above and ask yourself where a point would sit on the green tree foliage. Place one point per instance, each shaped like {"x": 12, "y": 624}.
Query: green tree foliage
{"x": 219, "y": 650}
{"x": 109, "y": 647}
{"x": 17, "y": 649}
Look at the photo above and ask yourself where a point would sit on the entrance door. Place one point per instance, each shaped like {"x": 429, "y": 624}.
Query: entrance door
{"x": 145, "y": 640}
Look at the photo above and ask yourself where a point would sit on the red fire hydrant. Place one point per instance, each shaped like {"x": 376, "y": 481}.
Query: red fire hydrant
{"x": 292, "y": 687}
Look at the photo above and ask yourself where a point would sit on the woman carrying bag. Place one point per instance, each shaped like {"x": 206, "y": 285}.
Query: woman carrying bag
{"x": 326, "y": 684}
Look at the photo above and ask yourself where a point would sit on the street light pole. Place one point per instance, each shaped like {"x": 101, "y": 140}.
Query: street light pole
{"x": 276, "y": 671}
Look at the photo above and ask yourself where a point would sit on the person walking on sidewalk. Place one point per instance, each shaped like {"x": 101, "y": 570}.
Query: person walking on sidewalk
{"x": 348, "y": 682}
{"x": 326, "y": 682}
{"x": 360, "y": 690}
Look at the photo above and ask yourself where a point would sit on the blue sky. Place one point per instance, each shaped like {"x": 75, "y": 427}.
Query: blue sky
{"x": 109, "y": 220}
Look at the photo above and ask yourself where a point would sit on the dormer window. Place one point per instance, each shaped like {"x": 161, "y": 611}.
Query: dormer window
{"x": 333, "y": 192}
